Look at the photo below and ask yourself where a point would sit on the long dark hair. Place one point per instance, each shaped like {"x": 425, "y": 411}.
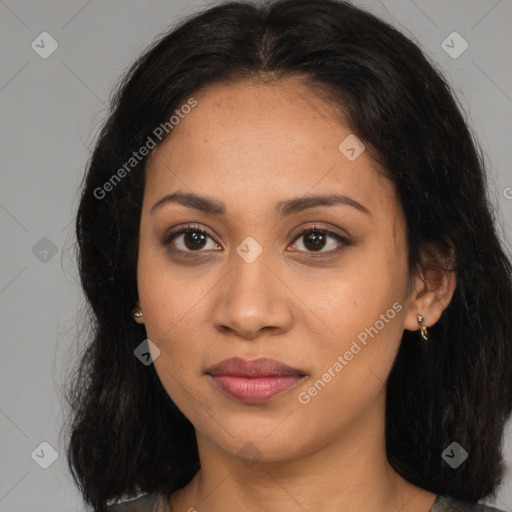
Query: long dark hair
{"x": 126, "y": 435}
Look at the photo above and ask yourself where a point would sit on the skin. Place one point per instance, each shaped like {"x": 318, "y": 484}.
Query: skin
{"x": 250, "y": 145}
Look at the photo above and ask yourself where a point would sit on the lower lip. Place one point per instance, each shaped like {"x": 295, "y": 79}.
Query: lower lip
{"x": 255, "y": 389}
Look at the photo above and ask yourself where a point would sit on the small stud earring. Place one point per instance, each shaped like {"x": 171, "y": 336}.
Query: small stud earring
{"x": 423, "y": 328}
{"x": 136, "y": 313}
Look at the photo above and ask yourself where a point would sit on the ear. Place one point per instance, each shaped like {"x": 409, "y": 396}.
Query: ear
{"x": 138, "y": 319}
{"x": 432, "y": 289}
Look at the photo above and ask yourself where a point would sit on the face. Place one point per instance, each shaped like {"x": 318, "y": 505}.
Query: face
{"x": 249, "y": 280}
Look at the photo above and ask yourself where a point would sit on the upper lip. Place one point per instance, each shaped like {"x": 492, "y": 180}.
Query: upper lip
{"x": 262, "y": 367}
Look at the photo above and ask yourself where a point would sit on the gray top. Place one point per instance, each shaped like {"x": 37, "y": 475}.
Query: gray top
{"x": 160, "y": 503}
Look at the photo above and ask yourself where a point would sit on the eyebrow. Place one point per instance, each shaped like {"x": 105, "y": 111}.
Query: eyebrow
{"x": 282, "y": 208}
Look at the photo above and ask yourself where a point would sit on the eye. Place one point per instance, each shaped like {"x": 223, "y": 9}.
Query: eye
{"x": 192, "y": 237}
{"x": 314, "y": 239}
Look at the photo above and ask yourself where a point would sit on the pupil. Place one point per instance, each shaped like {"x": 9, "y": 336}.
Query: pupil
{"x": 316, "y": 238}
{"x": 197, "y": 237}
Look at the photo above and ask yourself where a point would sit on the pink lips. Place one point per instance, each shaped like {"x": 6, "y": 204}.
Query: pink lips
{"x": 256, "y": 380}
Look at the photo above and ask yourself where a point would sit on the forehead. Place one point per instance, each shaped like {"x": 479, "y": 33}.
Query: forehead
{"x": 255, "y": 144}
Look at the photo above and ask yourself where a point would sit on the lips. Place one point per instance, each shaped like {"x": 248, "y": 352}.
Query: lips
{"x": 253, "y": 368}
{"x": 256, "y": 380}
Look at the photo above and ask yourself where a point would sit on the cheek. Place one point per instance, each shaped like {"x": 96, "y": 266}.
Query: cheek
{"x": 360, "y": 293}
{"x": 364, "y": 310}
{"x": 166, "y": 297}
{"x": 352, "y": 369}
{"x": 173, "y": 316}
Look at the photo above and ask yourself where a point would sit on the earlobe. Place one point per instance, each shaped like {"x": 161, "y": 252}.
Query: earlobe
{"x": 430, "y": 298}
{"x": 137, "y": 314}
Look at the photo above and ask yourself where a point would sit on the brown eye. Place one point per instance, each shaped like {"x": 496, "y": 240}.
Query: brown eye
{"x": 193, "y": 239}
{"x": 316, "y": 239}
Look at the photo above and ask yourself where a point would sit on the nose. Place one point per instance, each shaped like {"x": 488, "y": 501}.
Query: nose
{"x": 253, "y": 300}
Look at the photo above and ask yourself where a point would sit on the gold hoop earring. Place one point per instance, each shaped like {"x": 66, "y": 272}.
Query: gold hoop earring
{"x": 423, "y": 327}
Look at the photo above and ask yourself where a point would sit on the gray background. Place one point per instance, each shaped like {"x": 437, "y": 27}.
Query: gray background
{"x": 51, "y": 110}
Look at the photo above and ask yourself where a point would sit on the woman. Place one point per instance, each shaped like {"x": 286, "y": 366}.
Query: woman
{"x": 299, "y": 298}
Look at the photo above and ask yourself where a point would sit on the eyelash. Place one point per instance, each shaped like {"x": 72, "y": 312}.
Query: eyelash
{"x": 190, "y": 228}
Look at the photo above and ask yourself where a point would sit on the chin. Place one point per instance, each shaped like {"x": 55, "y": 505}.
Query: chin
{"x": 265, "y": 441}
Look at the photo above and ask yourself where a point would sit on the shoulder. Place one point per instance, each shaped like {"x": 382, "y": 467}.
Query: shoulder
{"x": 147, "y": 503}
{"x": 446, "y": 503}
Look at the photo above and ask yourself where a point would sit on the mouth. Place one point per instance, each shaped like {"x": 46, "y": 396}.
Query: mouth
{"x": 254, "y": 381}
